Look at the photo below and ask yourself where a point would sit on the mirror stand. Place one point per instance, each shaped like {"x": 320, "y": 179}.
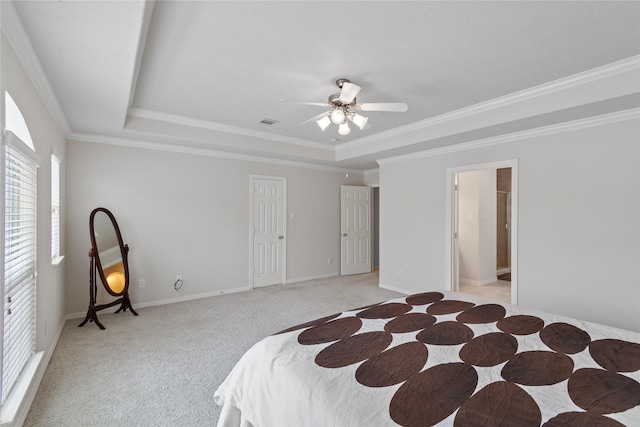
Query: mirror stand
{"x": 92, "y": 312}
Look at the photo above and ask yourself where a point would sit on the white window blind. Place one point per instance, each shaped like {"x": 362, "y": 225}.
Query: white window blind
{"x": 18, "y": 302}
{"x": 55, "y": 207}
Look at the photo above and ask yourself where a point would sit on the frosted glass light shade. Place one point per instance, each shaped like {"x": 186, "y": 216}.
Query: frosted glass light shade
{"x": 359, "y": 120}
{"x": 338, "y": 116}
{"x": 344, "y": 129}
{"x": 324, "y": 122}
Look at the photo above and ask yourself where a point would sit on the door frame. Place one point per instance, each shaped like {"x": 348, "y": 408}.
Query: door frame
{"x": 451, "y": 223}
{"x": 252, "y": 179}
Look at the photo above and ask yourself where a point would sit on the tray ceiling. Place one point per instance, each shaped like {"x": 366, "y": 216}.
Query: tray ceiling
{"x": 202, "y": 75}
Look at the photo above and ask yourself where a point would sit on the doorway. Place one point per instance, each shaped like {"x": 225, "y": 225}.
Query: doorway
{"x": 481, "y": 230}
{"x": 268, "y": 230}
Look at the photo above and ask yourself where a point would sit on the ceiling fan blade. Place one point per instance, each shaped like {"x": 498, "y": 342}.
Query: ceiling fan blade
{"x": 399, "y": 107}
{"x": 317, "y": 104}
{"x": 348, "y": 92}
{"x": 319, "y": 116}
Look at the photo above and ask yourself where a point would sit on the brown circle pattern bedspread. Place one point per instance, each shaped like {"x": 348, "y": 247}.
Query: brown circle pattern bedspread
{"x": 428, "y": 395}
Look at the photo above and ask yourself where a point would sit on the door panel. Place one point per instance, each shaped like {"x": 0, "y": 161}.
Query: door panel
{"x": 268, "y": 231}
{"x": 355, "y": 230}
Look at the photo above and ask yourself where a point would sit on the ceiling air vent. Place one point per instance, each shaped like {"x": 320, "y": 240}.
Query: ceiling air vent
{"x": 268, "y": 122}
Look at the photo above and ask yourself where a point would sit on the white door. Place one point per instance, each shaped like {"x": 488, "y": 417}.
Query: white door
{"x": 268, "y": 230}
{"x": 355, "y": 227}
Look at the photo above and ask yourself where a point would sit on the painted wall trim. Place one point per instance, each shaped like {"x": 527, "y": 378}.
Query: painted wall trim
{"x": 142, "y": 42}
{"x": 319, "y": 276}
{"x": 395, "y": 289}
{"x": 80, "y": 315}
{"x": 187, "y": 121}
{"x": 598, "y": 73}
{"x": 478, "y": 282}
{"x": 17, "y": 37}
{"x": 603, "y": 119}
{"x": 158, "y": 146}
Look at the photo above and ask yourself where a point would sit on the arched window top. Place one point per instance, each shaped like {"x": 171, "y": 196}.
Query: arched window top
{"x": 14, "y": 121}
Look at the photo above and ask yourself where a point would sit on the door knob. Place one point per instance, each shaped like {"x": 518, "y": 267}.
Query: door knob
{"x": 280, "y": 237}
{"x": 344, "y": 234}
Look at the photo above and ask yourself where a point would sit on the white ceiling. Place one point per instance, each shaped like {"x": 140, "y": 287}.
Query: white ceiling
{"x": 201, "y": 75}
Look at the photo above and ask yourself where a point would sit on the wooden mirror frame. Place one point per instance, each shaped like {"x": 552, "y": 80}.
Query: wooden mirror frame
{"x": 96, "y": 265}
{"x": 124, "y": 250}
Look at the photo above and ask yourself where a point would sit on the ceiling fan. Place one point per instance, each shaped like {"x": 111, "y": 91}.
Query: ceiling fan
{"x": 344, "y": 107}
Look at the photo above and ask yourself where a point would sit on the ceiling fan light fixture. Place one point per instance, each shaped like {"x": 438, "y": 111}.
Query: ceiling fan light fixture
{"x": 343, "y": 108}
{"x": 358, "y": 120}
{"x": 343, "y": 129}
{"x": 338, "y": 117}
{"x": 324, "y": 122}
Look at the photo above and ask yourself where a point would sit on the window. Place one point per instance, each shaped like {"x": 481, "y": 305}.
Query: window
{"x": 19, "y": 250}
{"x": 15, "y": 122}
{"x": 55, "y": 209}
{"x": 18, "y": 334}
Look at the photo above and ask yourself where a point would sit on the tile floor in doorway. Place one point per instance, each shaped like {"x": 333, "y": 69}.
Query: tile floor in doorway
{"x": 499, "y": 291}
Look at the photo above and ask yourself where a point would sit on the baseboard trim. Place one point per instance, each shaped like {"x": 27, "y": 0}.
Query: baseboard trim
{"x": 192, "y": 297}
{"x": 478, "y": 282}
{"x": 173, "y": 300}
{"x": 319, "y": 276}
{"x": 395, "y": 289}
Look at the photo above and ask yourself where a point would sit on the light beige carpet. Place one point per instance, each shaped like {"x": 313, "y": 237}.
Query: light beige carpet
{"x": 162, "y": 367}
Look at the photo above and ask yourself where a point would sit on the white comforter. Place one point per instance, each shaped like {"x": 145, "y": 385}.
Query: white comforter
{"x": 279, "y": 382}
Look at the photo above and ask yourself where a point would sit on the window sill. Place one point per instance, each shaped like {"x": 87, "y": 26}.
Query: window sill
{"x": 14, "y": 406}
{"x": 57, "y": 260}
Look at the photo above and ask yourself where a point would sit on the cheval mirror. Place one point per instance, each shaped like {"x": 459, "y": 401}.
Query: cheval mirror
{"x": 108, "y": 256}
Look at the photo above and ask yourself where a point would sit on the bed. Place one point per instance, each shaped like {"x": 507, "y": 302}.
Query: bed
{"x": 437, "y": 358}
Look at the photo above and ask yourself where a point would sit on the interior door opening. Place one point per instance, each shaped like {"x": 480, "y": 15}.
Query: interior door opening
{"x": 482, "y": 214}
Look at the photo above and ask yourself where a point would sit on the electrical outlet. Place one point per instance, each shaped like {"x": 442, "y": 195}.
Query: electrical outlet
{"x": 141, "y": 283}
{"x": 329, "y": 260}
{"x": 400, "y": 272}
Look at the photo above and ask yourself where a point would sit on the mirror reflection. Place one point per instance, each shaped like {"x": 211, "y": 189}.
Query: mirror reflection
{"x": 109, "y": 253}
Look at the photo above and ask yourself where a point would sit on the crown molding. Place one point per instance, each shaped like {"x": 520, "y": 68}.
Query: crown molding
{"x": 204, "y": 124}
{"x": 588, "y": 122}
{"x": 147, "y": 14}
{"x": 598, "y": 73}
{"x": 15, "y": 34}
{"x": 173, "y": 148}
{"x": 370, "y": 172}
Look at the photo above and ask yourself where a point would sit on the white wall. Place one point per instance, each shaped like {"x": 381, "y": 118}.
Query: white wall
{"x": 477, "y": 226}
{"x": 50, "y": 291}
{"x": 189, "y": 214}
{"x": 578, "y": 221}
